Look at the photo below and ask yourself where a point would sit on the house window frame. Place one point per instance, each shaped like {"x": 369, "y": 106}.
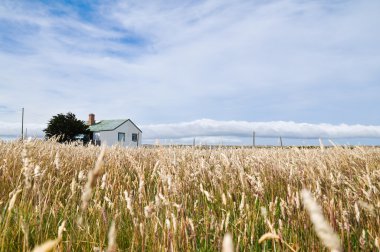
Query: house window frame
{"x": 121, "y": 137}
{"x": 135, "y": 137}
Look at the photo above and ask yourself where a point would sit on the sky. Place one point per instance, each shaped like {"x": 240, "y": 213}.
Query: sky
{"x": 215, "y": 69}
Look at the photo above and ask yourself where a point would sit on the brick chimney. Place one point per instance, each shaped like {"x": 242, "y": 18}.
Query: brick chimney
{"x": 91, "y": 119}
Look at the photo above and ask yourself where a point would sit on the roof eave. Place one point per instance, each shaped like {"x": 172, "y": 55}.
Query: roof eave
{"x": 118, "y": 126}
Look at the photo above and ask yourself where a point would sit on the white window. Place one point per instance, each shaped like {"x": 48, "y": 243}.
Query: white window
{"x": 121, "y": 137}
{"x": 96, "y": 136}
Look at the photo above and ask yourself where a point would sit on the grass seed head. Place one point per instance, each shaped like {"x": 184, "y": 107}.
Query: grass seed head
{"x": 228, "y": 245}
{"x": 324, "y": 231}
{"x": 112, "y": 246}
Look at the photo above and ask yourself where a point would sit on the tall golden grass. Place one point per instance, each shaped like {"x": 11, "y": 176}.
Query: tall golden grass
{"x": 74, "y": 198}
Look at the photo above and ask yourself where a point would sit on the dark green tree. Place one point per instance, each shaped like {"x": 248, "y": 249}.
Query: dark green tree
{"x": 66, "y": 127}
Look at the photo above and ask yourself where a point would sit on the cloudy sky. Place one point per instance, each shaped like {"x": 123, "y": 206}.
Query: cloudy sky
{"x": 215, "y": 68}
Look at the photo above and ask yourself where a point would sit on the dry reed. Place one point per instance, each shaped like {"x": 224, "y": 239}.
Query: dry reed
{"x": 187, "y": 199}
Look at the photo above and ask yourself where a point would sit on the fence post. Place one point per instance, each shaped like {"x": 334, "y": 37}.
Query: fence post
{"x": 253, "y": 139}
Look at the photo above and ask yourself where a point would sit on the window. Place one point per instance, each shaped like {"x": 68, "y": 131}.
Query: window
{"x": 121, "y": 137}
{"x": 96, "y": 136}
{"x": 134, "y": 137}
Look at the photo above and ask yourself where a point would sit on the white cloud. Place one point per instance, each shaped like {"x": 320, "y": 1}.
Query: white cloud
{"x": 212, "y": 128}
{"x": 14, "y": 129}
{"x": 248, "y": 60}
{"x": 232, "y": 132}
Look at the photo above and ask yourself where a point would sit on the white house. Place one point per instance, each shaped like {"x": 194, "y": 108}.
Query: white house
{"x": 111, "y": 132}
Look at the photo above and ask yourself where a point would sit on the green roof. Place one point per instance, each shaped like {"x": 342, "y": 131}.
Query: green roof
{"x": 107, "y": 125}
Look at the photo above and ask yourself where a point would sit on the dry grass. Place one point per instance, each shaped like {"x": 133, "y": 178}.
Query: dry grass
{"x": 186, "y": 199}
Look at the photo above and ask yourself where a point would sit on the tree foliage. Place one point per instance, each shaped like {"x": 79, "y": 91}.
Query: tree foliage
{"x": 65, "y": 127}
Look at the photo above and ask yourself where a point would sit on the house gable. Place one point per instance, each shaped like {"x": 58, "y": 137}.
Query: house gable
{"x": 110, "y": 125}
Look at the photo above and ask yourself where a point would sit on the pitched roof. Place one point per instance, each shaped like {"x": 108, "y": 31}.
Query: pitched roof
{"x": 108, "y": 125}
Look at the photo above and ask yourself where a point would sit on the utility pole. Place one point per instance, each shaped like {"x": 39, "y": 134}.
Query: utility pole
{"x": 22, "y": 125}
{"x": 253, "y": 139}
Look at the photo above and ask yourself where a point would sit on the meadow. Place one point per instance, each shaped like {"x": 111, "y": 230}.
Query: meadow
{"x": 56, "y": 197}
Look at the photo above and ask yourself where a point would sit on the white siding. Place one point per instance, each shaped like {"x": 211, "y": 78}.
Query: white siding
{"x": 111, "y": 137}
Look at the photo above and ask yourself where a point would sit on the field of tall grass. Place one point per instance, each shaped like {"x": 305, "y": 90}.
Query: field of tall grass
{"x": 74, "y": 198}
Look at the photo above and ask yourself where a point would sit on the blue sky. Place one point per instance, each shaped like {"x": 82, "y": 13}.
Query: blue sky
{"x": 172, "y": 62}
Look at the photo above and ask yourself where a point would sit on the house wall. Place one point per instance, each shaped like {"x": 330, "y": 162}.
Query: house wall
{"x": 111, "y": 137}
